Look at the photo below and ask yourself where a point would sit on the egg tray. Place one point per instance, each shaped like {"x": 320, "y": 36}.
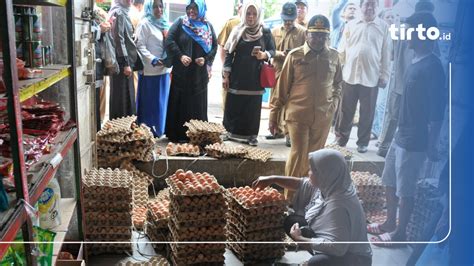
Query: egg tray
{"x": 186, "y": 149}
{"x": 204, "y": 126}
{"x": 184, "y": 224}
{"x": 366, "y": 179}
{"x": 163, "y": 194}
{"x": 97, "y": 249}
{"x": 232, "y": 200}
{"x": 185, "y": 250}
{"x": 186, "y": 235}
{"x": 139, "y": 217}
{"x": 103, "y": 195}
{"x": 157, "y": 234}
{"x": 175, "y": 208}
{"x": 107, "y": 178}
{"x": 191, "y": 202}
{"x": 256, "y": 154}
{"x": 256, "y": 226}
{"x": 235, "y": 233}
{"x": 118, "y": 125}
{"x": 118, "y": 157}
{"x": 345, "y": 152}
{"x": 221, "y": 150}
{"x": 107, "y": 219}
{"x": 254, "y": 220}
{"x": 203, "y": 231}
{"x": 263, "y": 208}
{"x": 96, "y": 206}
{"x": 157, "y": 204}
{"x": 176, "y": 192}
{"x": 154, "y": 261}
{"x": 203, "y": 139}
{"x": 253, "y": 214}
{"x": 211, "y": 260}
{"x": 205, "y": 215}
{"x": 108, "y": 230}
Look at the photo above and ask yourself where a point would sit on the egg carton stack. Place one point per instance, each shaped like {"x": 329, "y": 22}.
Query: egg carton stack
{"x": 154, "y": 261}
{"x": 185, "y": 149}
{"x": 346, "y": 152}
{"x": 256, "y": 215}
{"x": 370, "y": 191}
{"x": 221, "y": 150}
{"x": 202, "y": 133}
{"x": 140, "y": 182}
{"x": 256, "y": 154}
{"x": 197, "y": 209}
{"x": 427, "y": 208}
{"x": 122, "y": 139}
{"x": 107, "y": 207}
{"x": 158, "y": 216}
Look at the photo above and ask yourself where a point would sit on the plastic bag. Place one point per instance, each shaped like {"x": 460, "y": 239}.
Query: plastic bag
{"x": 108, "y": 54}
{"x": 48, "y": 205}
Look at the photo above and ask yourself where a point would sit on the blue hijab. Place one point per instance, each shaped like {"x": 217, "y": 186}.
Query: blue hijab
{"x": 161, "y": 23}
{"x": 199, "y": 29}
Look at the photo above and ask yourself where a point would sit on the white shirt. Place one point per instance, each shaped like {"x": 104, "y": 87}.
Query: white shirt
{"x": 365, "y": 50}
{"x": 150, "y": 45}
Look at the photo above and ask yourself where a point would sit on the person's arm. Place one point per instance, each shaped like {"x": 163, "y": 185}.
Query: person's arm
{"x": 385, "y": 62}
{"x": 142, "y": 35}
{"x": 336, "y": 14}
{"x": 342, "y": 45}
{"x": 270, "y": 47}
{"x": 171, "y": 45}
{"x": 119, "y": 38}
{"x": 437, "y": 104}
{"x": 281, "y": 91}
{"x": 227, "y": 69}
{"x": 337, "y": 84}
{"x": 212, "y": 54}
{"x": 326, "y": 242}
{"x": 288, "y": 182}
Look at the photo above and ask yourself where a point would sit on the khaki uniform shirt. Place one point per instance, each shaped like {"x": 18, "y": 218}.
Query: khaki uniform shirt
{"x": 366, "y": 49}
{"x": 226, "y": 30}
{"x": 284, "y": 40}
{"x": 309, "y": 86}
{"x": 304, "y": 23}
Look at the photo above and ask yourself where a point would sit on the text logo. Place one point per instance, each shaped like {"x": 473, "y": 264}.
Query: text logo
{"x": 405, "y": 34}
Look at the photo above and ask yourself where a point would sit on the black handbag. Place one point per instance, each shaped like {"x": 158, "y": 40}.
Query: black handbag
{"x": 138, "y": 65}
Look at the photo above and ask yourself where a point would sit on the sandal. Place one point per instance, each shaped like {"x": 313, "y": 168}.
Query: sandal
{"x": 375, "y": 229}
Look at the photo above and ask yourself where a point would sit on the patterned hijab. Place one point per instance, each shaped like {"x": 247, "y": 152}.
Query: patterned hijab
{"x": 199, "y": 29}
{"x": 161, "y": 23}
{"x": 248, "y": 32}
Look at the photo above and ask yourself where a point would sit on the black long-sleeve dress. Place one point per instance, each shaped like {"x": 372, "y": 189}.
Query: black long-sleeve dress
{"x": 188, "y": 92}
{"x": 244, "y": 98}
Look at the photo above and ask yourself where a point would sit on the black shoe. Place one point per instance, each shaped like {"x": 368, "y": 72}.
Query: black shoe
{"x": 382, "y": 153}
{"x": 288, "y": 142}
{"x": 277, "y": 136}
{"x": 253, "y": 142}
{"x": 225, "y": 137}
{"x": 362, "y": 149}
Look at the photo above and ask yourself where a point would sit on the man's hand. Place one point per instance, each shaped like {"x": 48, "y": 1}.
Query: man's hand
{"x": 186, "y": 60}
{"x": 382, "y": 83}
{"x": 273, "y": 127}
{"x": 262, "y": 182}
{"x": 200, "y": 61}
{"x": 295, "y": 232}
{"x": 261, "y": 55}
{"x": 127, "y": 71}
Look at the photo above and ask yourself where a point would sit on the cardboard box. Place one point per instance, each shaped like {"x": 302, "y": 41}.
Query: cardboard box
{"x": 77, "y": 250}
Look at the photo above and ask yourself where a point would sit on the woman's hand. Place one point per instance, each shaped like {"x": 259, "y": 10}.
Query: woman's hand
{"x": 225, "y": 82}
{"x": 127, "y": 71}
{"x": 263, "y": 182}
{"x": 295, "y": 232}
{"x": 273, "y": 127}
{"x": 261, "y": 55}
{"x": 200, "y": 61}
{"x": 186, "y": 60}
{"x": 105, "y": 26}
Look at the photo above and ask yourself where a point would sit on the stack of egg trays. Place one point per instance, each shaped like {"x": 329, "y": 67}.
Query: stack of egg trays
{"x": 370, "y": 191}
{"x": 197, "y": 217}
{"x": 261, "y": 223}
{"x": 107, "y": 207}
{"x": 203, "y": 133}
{"x": 157, "y": 227}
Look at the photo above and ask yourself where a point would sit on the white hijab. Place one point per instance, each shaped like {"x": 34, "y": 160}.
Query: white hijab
{"x": 248, "y": 32}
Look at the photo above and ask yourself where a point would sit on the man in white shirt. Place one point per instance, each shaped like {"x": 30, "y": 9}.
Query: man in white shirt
{"x": 365, "y": 51}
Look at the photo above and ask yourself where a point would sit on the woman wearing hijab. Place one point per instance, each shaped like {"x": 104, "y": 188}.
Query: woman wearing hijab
{"x": 326, "y": 211}
{"x": 122, "y": 90}
{"x": 191, "y": 46}
{"x": 248, "y": 46}
{"x": 154, "y": 82}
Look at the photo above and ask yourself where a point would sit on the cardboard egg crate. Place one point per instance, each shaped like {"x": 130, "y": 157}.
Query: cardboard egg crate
{"x": 139, "y": 217}
{"x": 235, "y": 231}
{"x": 255, "y": 220}
{"x": 158, "y": 212}
{"x": 264, "y": 198}
{"x": 221, "y": 150}
{"x": 96, "y": 206}
{"x": 158, "y": 235}
{"x": 140, "y": 182}
{"x": 345, "y": 152}
{"x": 256, "y": 154}
{"x": 257, "y": 225}
{"x": 157, "y": 260}
{"x": 202, "y": 133}
{"x": 204, "y": 233}
{"x": 205, "y": 260}
{"x": 193, "y": 184}
{"x": 97, "y": 249}
{"x": 119, "y": 125}
{"x": 106, "y": 179}
{"x": 184, "y": 250}
{"x": 163, "y": 194}
{"x": 108, "y": 219}
{"x": 203, "y": 222}
{"x": 209, "y": 214}
{"x": 370, "y": 190}
{"x": 185, "y": 149}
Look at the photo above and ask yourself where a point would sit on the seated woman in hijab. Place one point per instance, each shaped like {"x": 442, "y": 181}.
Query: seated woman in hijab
{"x": 326, "y": 211}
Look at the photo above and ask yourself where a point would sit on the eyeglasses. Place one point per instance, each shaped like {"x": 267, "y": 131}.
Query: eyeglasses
{"x": 318, "y": 35}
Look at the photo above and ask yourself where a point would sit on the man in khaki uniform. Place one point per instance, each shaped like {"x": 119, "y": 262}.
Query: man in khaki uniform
{"x": 222, "y": 39}
{"x": 287, "y": 37}
{"x": 302, "y": 7}
{"x": 308, "y": 91}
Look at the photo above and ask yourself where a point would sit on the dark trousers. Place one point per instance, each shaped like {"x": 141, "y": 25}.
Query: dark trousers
{"x": 390, "y": 121}
{"x": 351, "y": 94}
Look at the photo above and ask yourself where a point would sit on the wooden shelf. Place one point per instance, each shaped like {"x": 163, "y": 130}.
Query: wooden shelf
{"x": 40, "y": 2}
{"x": 40, "y": 179}
{"x": 51, "y": 75}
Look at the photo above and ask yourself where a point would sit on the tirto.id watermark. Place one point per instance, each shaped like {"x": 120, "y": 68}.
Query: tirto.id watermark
{"x": 403, "y": 33}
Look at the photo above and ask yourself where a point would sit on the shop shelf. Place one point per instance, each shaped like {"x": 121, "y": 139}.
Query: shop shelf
{"x": 10, "y": 231}
{"x": 40, "y": 2}
{"x": 51, "y": 75}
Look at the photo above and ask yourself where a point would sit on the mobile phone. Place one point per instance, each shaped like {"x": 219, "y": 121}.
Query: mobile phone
{"x": 256, "y": 49}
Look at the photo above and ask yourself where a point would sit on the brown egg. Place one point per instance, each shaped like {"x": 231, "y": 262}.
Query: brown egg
{"x": 189, "y": 175}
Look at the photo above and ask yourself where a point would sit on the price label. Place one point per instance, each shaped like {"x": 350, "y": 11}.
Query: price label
{"x": 56, "y": 160}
